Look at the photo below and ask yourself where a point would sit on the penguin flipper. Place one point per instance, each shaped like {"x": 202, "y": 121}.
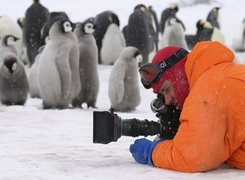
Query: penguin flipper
{"x": 63, "y": 68}
{"x": 120, "y": 93}
{"x": 120, "y": 89}
{"x": 117, "y": 86}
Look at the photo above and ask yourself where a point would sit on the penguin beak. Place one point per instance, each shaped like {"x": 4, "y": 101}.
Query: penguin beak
{"x": 11, "y": 64}
{"x": 16, "y": 39}
{"x": 73, "y": 25}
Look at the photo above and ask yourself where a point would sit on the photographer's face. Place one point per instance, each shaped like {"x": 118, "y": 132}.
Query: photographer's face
{"x": 167, "y": 91}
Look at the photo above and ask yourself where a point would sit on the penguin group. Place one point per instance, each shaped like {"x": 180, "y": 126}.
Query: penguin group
{"x": 45, "y": 55}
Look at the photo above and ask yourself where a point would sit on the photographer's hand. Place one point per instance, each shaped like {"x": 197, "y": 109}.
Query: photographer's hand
{"x": 142, "y": 150}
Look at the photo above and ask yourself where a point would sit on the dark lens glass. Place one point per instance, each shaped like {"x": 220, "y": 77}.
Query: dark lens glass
{"x": 149, "y": 73}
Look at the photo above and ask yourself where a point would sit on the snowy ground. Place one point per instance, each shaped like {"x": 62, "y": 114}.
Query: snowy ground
{"x": 57, "y": 144}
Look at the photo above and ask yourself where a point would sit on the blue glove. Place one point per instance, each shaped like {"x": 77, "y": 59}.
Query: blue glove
{"x": 142, "y": 150}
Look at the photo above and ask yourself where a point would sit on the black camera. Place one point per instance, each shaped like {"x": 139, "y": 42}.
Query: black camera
{"x": 108, "y": 126}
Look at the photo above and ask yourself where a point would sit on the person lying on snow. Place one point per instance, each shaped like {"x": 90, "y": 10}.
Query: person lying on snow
{"x": 209, "y": 89}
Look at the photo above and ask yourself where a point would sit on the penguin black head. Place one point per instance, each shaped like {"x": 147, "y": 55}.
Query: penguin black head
{"x": 113, "y": 18}
{"x": 201, "y": 24}
{"x": 175, "y": 7}
{"x": 35, "y": 1}
{"x": 138, "y": 56}
{"x": 216, "y": 9}
{"x": 89, "y": 28}
{"x": 90, "y": 23}
{"x": 141, "y": 7}
{"x": 66, "y": 26}
{"x": 10, "y": 64}
{"x": 10, "y": 40}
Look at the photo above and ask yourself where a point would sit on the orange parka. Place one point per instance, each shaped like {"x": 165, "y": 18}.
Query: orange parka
{"x": 212, "y": 129}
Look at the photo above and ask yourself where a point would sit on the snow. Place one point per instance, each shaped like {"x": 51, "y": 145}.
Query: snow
{"x": 57, "y": 144}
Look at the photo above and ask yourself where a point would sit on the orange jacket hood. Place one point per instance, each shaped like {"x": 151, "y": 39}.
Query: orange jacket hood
{"x": 198, "y": 62}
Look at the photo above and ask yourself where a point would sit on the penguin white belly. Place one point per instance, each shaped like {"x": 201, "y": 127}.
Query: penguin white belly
{"x": 112, "y": 45}
{"x": 33, "y": 80}
{"x": 218, "y": 36}
{"x": 49, "y": 81}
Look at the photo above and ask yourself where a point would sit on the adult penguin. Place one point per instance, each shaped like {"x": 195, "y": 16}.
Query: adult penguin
{"x": 13, "y": 80}
{"x": 205, "y": 32}
{"x": 166, "y": 14}
{"x": 35, "y": 17}
{"x": 173, "y": 35}
{"x": 139, "y": 31}
{"x": 112, "y": 44}
{"x": 214, "y": 17}
{"x": 58, "y": 71}
{"x": 102, "y": 21}
{"x": 88, "y": 66}
{"x": 124, "y": 92}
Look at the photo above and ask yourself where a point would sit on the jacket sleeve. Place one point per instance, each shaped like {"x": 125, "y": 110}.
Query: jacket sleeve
{"x": 199, "y": 144}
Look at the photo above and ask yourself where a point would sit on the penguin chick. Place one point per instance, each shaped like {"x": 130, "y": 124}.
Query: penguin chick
{"x": 14, "y": 86}
{"x": 8, "y": 44}
{"x": 58, "y": 71}
{"x": 88, "y": 65}
{"x": 33, "y": 76}
{"x": 124, "y": 92}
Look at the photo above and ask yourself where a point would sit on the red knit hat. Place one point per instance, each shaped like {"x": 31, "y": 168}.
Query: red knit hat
{"x": 175, "y": 74}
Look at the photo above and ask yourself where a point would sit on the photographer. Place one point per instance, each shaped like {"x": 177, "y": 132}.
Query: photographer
{"x": 209, "y": 89}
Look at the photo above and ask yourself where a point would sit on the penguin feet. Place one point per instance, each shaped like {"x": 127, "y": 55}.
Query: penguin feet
{"x": 76, "y": 103}
{"x": 92, "y": 105}
{"x": 9, "y": 103}
{"x": 46, "y": 106}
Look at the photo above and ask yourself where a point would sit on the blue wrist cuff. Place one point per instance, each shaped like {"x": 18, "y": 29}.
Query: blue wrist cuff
{"x": 152, "y": 147}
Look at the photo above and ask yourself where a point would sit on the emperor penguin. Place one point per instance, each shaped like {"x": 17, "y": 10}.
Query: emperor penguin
{"x": 112, "y": 44}
{"x": 124, "y": 92}
{"x": 173, "y": 35}
{"x": 205, "y": 32}
{"x": 214, "y": 17}
{"x": 8, "y": 43}
{"x": 166, "y": 14}
{"x": 33, "y": 76}
{"x": 238, "y": 44}
{"x": 14, "y": 86}
{"x": 54, "y": 16}
{"x": 35, "y": 17}
{"x": 139, "y": 31}
{"x": 102, "y": 22}
{"x": 88, "y": 66}
{"x": 9, "y": 26}
{"x": 58, "y": 69}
